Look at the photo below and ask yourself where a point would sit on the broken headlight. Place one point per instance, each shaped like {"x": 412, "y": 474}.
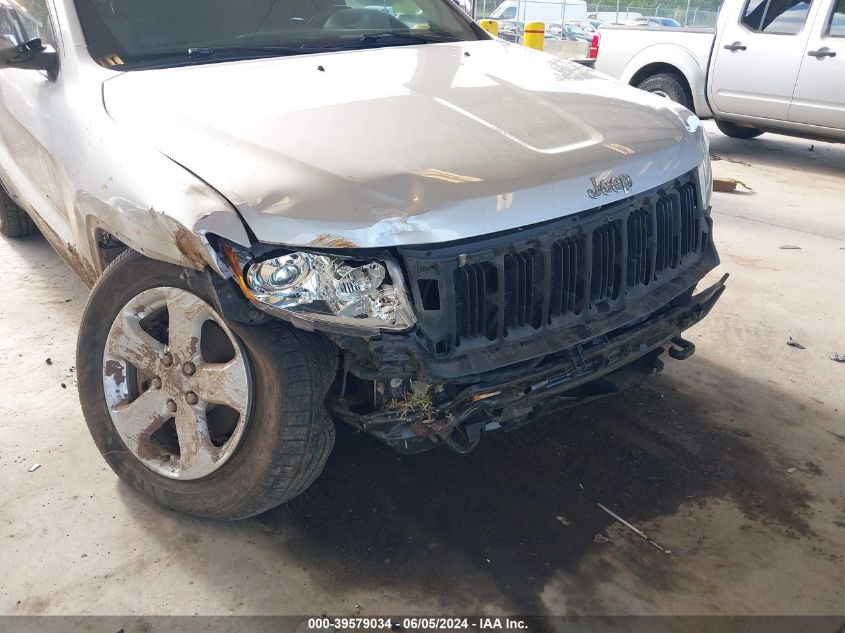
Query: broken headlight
{"x": 328, "y": 288}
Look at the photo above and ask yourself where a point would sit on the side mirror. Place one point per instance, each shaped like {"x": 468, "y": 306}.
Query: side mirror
{"x": 30, "y": 56}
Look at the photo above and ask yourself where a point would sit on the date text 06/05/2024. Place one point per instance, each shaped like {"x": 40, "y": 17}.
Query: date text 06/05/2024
{"x": 416, "y": 623}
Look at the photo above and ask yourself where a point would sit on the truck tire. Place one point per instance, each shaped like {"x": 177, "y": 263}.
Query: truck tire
{"x": 14, "y": 222}
{"x": 208, "y": 417}
{"x": 670, "y": 86}
{"x": 737, "y": 131}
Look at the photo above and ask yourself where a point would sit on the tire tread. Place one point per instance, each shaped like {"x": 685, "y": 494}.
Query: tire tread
{"x": 289, "y": 435}
{"x": 14, "y": 221}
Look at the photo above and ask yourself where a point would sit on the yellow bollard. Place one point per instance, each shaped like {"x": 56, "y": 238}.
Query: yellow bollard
{"x": 535, "y": 35}
{"x": 491, "y": 26}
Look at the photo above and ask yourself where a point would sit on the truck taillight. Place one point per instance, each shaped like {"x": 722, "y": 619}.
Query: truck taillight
{"x": 594, "y": 46}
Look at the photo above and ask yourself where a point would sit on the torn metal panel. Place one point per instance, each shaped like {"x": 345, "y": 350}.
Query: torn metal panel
{"x": 570, "y": 377}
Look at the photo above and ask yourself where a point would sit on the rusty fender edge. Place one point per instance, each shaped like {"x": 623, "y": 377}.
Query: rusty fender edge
{"x": 571, "y": 377}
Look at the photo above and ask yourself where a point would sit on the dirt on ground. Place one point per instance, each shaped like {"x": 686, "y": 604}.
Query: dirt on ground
{"x": 733, "y": 460}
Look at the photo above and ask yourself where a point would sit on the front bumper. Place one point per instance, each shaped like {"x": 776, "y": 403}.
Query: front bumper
{"x": 582, "y": 372}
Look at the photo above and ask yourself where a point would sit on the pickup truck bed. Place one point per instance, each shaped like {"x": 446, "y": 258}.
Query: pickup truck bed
{"x": 635, "y": 53}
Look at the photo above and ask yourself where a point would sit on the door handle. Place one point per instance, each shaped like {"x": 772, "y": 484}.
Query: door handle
{"x": 822, "y": 52}
{"x": 736, "y": 46}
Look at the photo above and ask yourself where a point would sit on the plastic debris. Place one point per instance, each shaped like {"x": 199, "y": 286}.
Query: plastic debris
{"x": 634, "y": 529}
{"x": 728, "y": 185}
{"x": 33, "y": 468}
{"x": 791, "y": 470}
{"x": 716, "y": 157}
{"x": 562, "y": 520}
{"x": 837, "y": 358}
{"x": 601, "y": 538}
{"x": 793, "y": 343}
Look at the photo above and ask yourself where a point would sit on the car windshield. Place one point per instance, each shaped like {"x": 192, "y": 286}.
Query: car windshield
{"x": 127, "y": 34}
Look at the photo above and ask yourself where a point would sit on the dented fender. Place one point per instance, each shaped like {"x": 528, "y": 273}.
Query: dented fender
{"x": 126, "y": 188}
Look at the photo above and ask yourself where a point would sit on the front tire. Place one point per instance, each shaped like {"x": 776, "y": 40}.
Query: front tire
{"x": 670, "y": 86}
{"x": 737, "y": 131}
{"x": 14, "y": 222}
{"x": 207, "y": 417}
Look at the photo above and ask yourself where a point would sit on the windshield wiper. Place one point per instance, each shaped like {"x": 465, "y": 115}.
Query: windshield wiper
{"x": 237, "y": 52}
{"x": 419, "y": 36}
{"x": 200, "y": 54}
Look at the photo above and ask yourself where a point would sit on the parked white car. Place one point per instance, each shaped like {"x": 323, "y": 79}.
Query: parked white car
{"x": 655, "y": 22}
{"x": 291, "y": 211}
{"x": 586, "y": 25}
{"x": 770, "y": 66}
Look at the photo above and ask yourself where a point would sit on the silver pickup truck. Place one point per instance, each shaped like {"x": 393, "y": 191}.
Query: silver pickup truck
{"x": 294, "y": 212}
{"x": 770, "y": 66}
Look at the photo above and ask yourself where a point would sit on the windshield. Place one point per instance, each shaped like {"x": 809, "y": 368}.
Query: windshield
{"x": 127, "y": 34}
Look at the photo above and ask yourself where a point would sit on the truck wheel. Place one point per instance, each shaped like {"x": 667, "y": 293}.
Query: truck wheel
{"x": 208, "y": 417}
{"x": 737, "y": 131}
{"x": 670, "y": 86}
{"x": 14, "y": 222}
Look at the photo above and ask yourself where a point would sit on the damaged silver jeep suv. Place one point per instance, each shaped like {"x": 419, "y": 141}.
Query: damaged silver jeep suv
{"x": 313, "y": 210}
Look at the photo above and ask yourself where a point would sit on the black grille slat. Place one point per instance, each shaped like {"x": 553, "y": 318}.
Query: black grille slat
{"x": 639, "y": 253}
{"x": 472, "y": 308}
{"x": 665, "y": 230}
{"x": 601, "y": 261}
{"x": 475, "y": 309}
{"x": 690, "y": 226}
{"x": 524, "y": 290}
{"x": 599, "y": 265}
{"x": 675, "y": 241}
{"x": 462, "y": 298}
{"x": 607, "y": 250}
{"x": 511, "y": 292}
{"x": 565, "y": 273}
{"x": 572, "y": 284}
{"x": 501, "y": 301}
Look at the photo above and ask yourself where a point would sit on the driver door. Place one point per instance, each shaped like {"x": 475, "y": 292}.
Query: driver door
{"x": 27, "y": 167}
{"x": 757, "y": 58}
{"x": 820, "y": 92}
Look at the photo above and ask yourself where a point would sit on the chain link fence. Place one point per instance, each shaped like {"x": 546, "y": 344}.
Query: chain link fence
{"x": 691, "y": 14}
{"x": 688, "y": 13}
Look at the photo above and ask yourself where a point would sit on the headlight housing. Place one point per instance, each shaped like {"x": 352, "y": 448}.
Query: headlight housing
{"x": 332, "y": 289}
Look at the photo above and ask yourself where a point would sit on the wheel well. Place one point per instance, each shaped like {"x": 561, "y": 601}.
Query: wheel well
{"x": 660, "y": 67}
{"x": 108, "y": 248}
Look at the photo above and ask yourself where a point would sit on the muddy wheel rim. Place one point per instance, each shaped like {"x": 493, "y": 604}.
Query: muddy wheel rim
{"x": 177, "y": 383}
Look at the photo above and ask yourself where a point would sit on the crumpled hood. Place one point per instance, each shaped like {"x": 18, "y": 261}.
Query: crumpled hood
{"x": 405, "y": 145}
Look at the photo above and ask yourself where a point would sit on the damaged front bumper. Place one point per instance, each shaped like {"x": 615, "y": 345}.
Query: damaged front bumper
{"x": 585, "y": 371}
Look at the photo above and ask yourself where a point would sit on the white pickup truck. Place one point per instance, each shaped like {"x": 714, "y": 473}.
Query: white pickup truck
{"x": 770, "y": 66}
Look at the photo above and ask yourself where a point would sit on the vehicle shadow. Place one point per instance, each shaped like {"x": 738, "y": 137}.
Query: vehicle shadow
{"x": 500, "y": 522}
{"x": 496, "y": 526}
